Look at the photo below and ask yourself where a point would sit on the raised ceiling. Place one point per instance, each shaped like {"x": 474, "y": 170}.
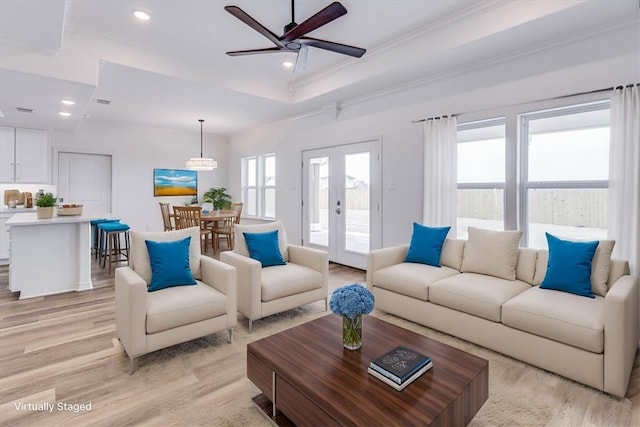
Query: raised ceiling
{"x": 172, "y": 70}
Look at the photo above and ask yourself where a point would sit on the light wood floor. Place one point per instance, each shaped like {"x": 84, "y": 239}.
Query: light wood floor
{"x": 72, "y": 331}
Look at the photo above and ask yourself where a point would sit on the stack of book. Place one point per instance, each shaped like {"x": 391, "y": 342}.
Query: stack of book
{"x": 399, "y": 367}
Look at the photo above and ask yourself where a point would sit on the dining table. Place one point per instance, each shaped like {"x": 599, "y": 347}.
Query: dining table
{"x": 215, "y": 216}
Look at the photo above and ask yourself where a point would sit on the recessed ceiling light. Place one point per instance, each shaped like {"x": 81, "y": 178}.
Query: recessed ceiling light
{"x": 68, "y": 102}
{"x": 287, "y": 64}
{"x": 64, "y": 113}
{"x": 143, "y": 16}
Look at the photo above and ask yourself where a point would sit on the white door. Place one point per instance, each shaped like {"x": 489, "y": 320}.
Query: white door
{"x": 85, "y": 179}
{"x": 341, "y": 201}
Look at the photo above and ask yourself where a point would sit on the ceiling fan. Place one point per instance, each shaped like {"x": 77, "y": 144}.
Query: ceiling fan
{"x": 294, "y": 39}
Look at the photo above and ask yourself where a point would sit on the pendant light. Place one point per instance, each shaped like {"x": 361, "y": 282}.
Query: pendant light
{"x": 201, "y": 163}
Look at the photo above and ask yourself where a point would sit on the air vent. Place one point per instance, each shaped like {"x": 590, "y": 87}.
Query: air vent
{"x": 103, "y": 101}
{"x": 24, "y": 110}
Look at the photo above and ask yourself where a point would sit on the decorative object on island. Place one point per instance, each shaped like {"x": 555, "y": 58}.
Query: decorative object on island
{"x": 218, "y": 197}
{"x": 45, "y": 204}
{"x": 175, "y": 182}
{"x": 351, "y": 302}
{"x": 70, "y": 209}
{"x": 399, "y": 367}
{"x": 201, "y": 163}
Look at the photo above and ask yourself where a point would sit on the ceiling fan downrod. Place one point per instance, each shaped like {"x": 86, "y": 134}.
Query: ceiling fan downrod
{"x": 291, "y": 25}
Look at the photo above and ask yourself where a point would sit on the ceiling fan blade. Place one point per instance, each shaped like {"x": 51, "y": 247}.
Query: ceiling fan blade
{"x": 301, "y": 60}
{"x": 253, "y": 51}
{"x": 333, "y": 46}
{"x": 244, "y": 17}
{"x": 326, "y": 15}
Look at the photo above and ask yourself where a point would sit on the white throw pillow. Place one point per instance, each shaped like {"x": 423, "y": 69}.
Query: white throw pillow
{"x": 139, "y": 256}
{"x": 600, "y": 267}
{"x": 240, "y": 246}
{"x": 491, "y": 252}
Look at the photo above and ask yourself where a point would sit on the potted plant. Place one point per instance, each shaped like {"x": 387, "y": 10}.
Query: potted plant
{"x": 218, "y": 197}
{"x": 45, "y": 205}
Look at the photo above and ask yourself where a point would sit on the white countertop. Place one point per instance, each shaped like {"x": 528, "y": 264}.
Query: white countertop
{"x": 31, "y": 218}
{"x": 20, "y": 209}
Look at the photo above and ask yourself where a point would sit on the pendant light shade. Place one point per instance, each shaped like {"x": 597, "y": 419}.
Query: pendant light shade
{"x": 201, "y": 163}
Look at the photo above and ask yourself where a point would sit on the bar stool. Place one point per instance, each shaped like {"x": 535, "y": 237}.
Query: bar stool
{"x": 111, "y": 234}
{"x": 95, "y": 241}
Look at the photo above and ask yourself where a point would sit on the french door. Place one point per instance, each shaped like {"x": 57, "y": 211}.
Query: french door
{"x": 341, "y": 201}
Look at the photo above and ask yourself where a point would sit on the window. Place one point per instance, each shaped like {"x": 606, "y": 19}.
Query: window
{"x": 481, "y": 175}
{"x": 551, "y": 174}
{"x": 566, "y": 175}
{"x": 259, "y": 185}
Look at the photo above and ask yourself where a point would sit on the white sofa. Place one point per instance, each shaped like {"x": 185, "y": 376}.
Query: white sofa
{"x": 589, "y": 340}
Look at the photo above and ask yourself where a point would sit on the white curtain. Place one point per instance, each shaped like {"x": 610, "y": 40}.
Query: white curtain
{"x": 440, "y": 173}
{"x": 624, "y": 176}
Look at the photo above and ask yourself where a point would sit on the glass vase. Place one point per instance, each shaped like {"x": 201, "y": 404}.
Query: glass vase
{"x": 352, "y": 332}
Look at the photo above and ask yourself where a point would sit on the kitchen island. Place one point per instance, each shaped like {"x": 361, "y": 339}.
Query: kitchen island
{"x": 50, "y": 256}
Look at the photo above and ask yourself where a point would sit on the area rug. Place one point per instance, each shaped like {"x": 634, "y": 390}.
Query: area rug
{"x": 519, "y": 394}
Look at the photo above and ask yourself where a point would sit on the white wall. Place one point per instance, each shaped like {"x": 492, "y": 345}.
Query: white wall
{"x": 579, "y": 66}
{"x": 136, "y": 151}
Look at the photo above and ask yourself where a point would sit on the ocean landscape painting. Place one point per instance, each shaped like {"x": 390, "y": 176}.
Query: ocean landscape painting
{"x": 175, "y": 182}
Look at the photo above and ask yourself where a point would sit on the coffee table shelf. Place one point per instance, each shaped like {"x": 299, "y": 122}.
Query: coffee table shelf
{"x": 313, "y": 380}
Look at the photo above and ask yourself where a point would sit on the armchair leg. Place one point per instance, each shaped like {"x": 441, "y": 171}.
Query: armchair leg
{"x": 133, "y": 365}
{"x": 230, "y": 335}
{"x": 250, "y": 325}
{"x": 326, "y": 304}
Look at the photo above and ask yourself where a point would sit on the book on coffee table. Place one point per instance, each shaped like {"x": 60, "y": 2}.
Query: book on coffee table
{"x": 400, "y": 387}
{"x": 400, "y": 364}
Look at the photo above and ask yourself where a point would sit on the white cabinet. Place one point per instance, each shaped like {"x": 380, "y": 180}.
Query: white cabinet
{"x": 24, "y": 155}
{"x": 4, "y": 239}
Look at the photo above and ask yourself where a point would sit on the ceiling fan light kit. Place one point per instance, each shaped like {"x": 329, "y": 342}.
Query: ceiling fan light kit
{"x": 294, "y": 37}
{"x": 201, "y": 163}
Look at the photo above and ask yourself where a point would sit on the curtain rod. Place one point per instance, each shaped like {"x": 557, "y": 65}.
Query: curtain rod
{"x": 557, "y": 97}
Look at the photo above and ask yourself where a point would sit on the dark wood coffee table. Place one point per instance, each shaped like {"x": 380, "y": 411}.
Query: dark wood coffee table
{"x": 308, "y": 378}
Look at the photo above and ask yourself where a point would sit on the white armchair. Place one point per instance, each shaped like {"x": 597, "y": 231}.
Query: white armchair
{"x": 270, "y": 290}
{"x": 148, "y": 321}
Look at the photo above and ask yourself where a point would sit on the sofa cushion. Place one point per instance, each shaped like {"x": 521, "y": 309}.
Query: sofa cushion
{"x": 426, "y": 244}
{"x": 600, "y": 267}
{"x": 281, "y": 281}
{"x": 476, "y": 294}
{"x": 452, "y": 251}
{"x": 411, "y": 279}
{"x": 569, "y": 266}
{"x": 263, "y": 247}
{"x": 169, "y": 264}
{"x": 240, "y": 246}
{"x": 526, "y": 267}
{"x": 139, "y": 255}
{"x": 559, "y": 316}
{"x": 173, "y": 307}
{"x": 491, "y": 252}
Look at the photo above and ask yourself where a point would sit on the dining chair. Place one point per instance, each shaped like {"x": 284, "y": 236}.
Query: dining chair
{"x": 190, "y": 216}
{"x": 165, "y": 209}
{"x": 227, "y": 228}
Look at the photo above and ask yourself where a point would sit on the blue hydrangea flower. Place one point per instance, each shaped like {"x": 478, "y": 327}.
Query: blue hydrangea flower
{"x": 352, "y": 300}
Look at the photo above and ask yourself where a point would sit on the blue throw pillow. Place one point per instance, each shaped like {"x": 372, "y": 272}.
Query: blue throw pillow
{"x": 569, "y": 266}
{"x": 169, "y": 264}
{"x": 426, "y": 244}
{"x": 264, "y": 248}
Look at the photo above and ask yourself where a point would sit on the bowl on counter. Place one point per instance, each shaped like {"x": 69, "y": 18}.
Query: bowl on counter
{"x": 70, "y": 209}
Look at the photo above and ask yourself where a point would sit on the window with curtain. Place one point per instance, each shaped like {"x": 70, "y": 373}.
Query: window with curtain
{"x": 259, "y": 186}
{"x": 481, "y": 175}
{"x": 551, "y": 174}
